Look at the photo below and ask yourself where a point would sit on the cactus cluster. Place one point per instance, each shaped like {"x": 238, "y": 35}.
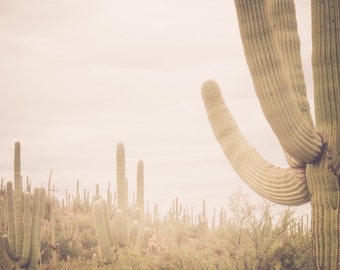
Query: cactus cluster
{"x": 22, "y": 241}
{"x": 122, "y": 225}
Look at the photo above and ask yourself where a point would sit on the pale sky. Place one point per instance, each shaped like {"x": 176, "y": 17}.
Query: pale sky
{"x": 78, "y": 77}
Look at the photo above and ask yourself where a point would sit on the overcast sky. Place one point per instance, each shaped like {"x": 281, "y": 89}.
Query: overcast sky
{"x": 78, "y": 77}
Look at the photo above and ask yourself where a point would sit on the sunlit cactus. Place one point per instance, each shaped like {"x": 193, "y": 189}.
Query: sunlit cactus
{"x": 272, "y": 48}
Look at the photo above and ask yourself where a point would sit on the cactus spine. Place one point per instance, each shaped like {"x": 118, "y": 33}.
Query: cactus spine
{"x": 272, "y": 48}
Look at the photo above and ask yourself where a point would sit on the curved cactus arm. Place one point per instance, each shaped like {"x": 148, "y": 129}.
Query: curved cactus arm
{"x": 283, "y": 15}
{"x": 8, "y": 249}
{"x": 283, "y": 186}
{"x": 326, "y": 74}
{"x": 272, "y": 83}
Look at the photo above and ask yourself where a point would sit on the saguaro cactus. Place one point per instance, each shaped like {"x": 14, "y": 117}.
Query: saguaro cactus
{"x": 22, "y": 241}
{"x": 271, "y": 44}
{"x": 30, "y": 245}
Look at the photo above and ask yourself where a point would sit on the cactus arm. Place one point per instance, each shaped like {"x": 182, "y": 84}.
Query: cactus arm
{"x": 283, "y": 186}
{"x": 27, "y": 231}
{"x": 35, "y": 252}
{"x": 122, "y": 199}
{"x": 266, "y": 64}
{"x": 42, "y": 197}
{"x": 10, "y": 211}
{"x": 140, "y": 185}
{"x": 99, "y": 221}
{"x": 283, "y": 14}
{"x": 8, "y": 249}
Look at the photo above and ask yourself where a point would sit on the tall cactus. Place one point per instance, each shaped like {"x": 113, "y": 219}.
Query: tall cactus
{"x": 271, "y": 44}
{"x": 18, "y": 199}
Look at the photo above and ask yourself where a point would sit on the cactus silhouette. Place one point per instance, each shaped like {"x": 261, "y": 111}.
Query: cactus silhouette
{"x": 271, "y": 44}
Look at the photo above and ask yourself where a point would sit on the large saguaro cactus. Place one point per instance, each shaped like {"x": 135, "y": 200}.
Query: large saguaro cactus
{"x": 271, "y": 44}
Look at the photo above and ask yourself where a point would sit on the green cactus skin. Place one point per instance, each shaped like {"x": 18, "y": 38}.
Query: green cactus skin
{"x": 102, "y": 230}
{"x": 271, "y": 44}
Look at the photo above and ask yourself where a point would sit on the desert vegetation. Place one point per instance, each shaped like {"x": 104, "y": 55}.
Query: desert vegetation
{"x": 106, "y": 231}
